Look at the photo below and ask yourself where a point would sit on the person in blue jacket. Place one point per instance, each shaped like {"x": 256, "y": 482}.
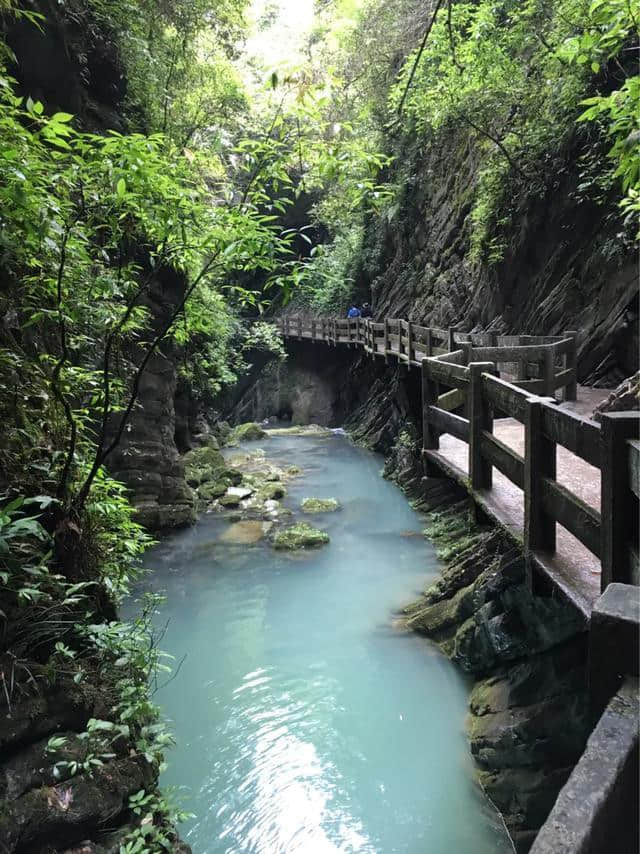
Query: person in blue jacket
{"x": 353, "y": 312}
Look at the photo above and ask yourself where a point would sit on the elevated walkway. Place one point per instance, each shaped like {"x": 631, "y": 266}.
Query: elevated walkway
{"x": 504, "y": 416}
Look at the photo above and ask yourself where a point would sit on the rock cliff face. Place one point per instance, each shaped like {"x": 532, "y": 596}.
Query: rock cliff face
{"x": 566, "y": 264}
{"x": 147, "y": 458}
{"x": 310, "y": 387}
{"x": 528, "y": 719}
{"x": 70, "y": 64}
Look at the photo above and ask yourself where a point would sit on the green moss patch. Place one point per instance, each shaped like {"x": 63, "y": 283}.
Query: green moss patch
{"x": 300, "y": 536}
{"x": 301, "y": 430}
{"x": 320, "y": 505}
{"x": 272, "y": 491}
{"x": 249, "y": 432}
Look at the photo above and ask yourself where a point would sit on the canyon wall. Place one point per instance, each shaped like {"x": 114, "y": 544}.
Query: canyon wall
{"x": 567, "y": 262}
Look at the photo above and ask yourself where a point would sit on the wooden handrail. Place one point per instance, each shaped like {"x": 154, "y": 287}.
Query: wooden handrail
{"x": 468, "y": 365}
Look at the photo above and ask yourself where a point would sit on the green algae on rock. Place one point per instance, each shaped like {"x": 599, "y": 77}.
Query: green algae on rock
{"x": 320, "y": 505}
{"x": 249, "y": 432}
{"x": 300, "y": 536}
{"x": 272, "y": 490}
{"x": 301, "y": 430}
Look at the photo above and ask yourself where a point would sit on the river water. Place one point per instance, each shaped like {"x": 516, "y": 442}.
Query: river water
{"x": 305, "y": 722}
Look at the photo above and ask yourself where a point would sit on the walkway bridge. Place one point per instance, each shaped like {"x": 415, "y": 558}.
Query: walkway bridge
{"x": 564, "y": 486}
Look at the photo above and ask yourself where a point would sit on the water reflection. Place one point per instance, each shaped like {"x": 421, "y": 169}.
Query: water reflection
{"x": 305, "y": 722}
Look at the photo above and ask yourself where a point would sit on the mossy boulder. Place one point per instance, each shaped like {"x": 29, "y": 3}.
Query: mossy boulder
{"x": 320, "y": 505}
{"x": 300, "y": 536}
{"x": 203, "y": 464}
{"x": 272, "y": 490}
{"x": 302, "y": 430}
{"x": 208, "y": 456}
{"x": 230, "y": 501}
{"x": 249, "y": 432}
{"x": 213, "y": 489}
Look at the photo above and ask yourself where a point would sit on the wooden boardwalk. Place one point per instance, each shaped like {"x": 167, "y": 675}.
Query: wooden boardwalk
{"x": 557, "y": 481}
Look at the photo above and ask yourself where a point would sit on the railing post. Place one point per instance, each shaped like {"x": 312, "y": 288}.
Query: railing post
{"x": 618, "y": 509}
{"x": 521, "y": 365}
{"x": 549, "y": 370}
{"x": 467, "y": 349}
{"x": 386, "y": 339}
{"x": 409, "y": 343}
{"x": 480, "y": 419}
{"x": 428, "y": 342}
{"x": 570, "y": 362}
{"x": 539, "y": 462}
{"x": 430, "y": 393}
{"x": 451, "y": 345}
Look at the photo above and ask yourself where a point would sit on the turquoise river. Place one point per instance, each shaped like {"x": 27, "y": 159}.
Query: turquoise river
{"x": 305, "y": 722}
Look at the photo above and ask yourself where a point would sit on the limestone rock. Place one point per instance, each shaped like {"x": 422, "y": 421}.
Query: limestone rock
{"x": 300, "y": 536}
{"x": 249, "y": 432}
{"x": 272, "y": 491}
{"x": 320, "y": 505}
{"x": 625, "y": 398}
{"x": 246, "y": 532}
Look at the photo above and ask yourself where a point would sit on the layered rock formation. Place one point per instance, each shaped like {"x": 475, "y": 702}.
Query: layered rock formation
{"x": 567, "y": 263}
{"x": 310, "y": 387}
{"x": 147, "y": 460}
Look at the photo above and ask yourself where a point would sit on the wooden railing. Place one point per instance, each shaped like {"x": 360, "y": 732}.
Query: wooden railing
{"x": 611, "y": 533}
{"x": 462, "y": 392}
{"x": 539, "y": 364}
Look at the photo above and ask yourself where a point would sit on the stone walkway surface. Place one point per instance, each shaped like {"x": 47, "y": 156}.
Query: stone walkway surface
{"x": 573, "y": 567}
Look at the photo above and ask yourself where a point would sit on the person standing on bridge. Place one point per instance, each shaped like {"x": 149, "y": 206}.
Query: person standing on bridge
{"x": 365, "y": 311}
{"x": 353, "y": 312}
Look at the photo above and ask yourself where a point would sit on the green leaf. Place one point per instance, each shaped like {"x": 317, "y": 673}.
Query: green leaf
{"x": 121, "y": 188}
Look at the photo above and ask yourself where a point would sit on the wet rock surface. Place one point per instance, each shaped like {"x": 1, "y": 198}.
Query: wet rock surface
{"x": 528, "y": 710}
{"x": 319, "y": 505}
{"x": 300, "y": 536}
{"x": 45, "y": 804}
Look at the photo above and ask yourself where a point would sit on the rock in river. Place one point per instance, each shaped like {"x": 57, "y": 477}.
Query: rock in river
{"x": 300, "y": 536}
{"x": 319, "y": 505}
{"x": 246, "y": 532}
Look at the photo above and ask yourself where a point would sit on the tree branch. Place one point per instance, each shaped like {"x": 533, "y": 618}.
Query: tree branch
{"x": 101, "y": 452}
{"x": 58, "y": 393}
{"x": 499, "y": 144}
{"x": 419, "y": 56}
{"x": 452, "y": 43}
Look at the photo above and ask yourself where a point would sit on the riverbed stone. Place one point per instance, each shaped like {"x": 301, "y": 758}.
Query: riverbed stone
{"x": 209, "y": 491}
{"x": 240, "y": 492}
{"x": 301, "y": 430}
{"x": 246, "y": 532}
{"x": 300, "y": 536}
{"x": 249, "y": 432}
{"x": 320, "y": 505}
{"x": 272, "y": 490}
